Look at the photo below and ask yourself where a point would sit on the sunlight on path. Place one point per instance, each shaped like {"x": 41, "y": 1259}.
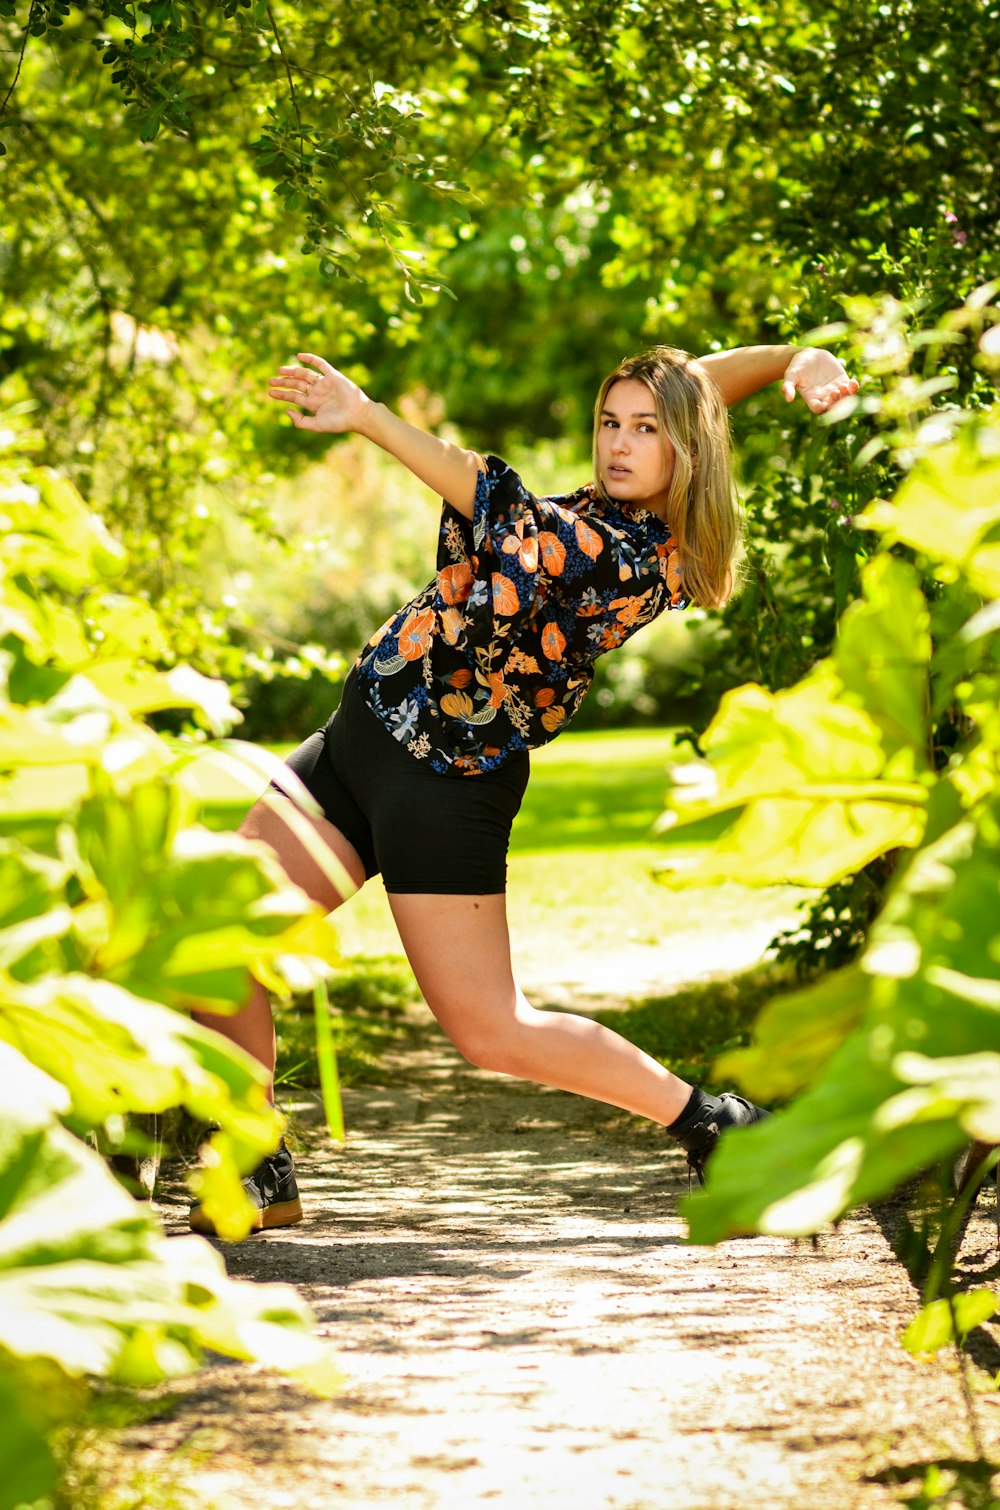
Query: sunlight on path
{"x": 520, "y": 1322}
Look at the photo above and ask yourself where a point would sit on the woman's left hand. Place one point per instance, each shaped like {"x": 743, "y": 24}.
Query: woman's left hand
{"x": 820, "y": 377}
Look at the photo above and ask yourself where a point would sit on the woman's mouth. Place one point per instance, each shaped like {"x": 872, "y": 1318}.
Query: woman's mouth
{"x": 619, "y": 471}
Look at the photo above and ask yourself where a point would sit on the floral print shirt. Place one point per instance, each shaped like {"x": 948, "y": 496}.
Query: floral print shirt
{"x": 496, "y": 654}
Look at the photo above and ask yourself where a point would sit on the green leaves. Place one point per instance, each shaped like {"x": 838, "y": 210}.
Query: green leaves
{"x": 50, "y": 533}
{"x": 181, "y": 913}
{"x": 949, "y": 509}
{"x": 917, "y": 1069}
{"x": 136, "y": 910}
{"x": 824, "y": 777}
{"x": 949, "y": 1320}
{"x": 896, "y": 1060}
{"x": 89, "y": 1283}
{"x": 796, "y": 1034}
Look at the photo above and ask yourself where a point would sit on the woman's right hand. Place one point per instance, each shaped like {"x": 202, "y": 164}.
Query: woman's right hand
{"x": 332, "y": 403}
{"x": 328, "y": 401}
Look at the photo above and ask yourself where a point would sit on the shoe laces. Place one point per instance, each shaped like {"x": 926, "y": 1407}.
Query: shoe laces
{"x": 697, "y": 1157}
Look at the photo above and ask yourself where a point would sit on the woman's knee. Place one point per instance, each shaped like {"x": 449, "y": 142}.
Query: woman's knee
{"x": 491, "y": 1045}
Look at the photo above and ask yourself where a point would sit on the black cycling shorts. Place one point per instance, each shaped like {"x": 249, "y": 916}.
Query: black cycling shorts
{"x": 425, "y": 832}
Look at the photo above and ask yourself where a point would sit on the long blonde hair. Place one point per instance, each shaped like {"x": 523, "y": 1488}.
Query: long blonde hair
{"x": 702, "y": 507}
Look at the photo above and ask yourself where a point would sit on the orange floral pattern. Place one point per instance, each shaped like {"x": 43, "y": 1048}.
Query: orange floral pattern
{"x": 415, "y": 635}
{"x": 455, "y": 582}
{"x": 497, "y": 653}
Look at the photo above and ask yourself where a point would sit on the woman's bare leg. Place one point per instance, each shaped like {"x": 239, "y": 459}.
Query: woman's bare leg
{"x": 252, "y": 1028}
{"x": 459, "y": 949}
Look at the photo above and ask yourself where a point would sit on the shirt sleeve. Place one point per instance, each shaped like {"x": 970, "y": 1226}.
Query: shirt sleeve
{"x": 522, "y": 551}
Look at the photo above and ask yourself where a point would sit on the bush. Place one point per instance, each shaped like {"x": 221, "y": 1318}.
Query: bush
{"x": 891, "y": 743}
{"x": 119, "y": 913}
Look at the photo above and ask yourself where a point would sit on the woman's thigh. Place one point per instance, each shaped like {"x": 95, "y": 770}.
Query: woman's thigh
{"x": 313, "y": 852}
{"x": 459, "y": 949}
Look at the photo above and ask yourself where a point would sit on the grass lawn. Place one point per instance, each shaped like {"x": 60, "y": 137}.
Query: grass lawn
{"x": 590, "y": 926}
{"x": 587, "y": 918}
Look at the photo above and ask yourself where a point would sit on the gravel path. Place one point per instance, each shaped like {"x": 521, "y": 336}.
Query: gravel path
{"x": 504, "y": 1274}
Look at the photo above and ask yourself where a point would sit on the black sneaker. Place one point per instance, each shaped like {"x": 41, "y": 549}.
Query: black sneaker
{"x": 272, "y": 1189}
{"x": 700, "y": 1140}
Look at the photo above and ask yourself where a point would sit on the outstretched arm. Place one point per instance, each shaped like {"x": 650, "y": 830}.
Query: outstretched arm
{"x": 819, "y": 376}
{"x": 334, "y": 405}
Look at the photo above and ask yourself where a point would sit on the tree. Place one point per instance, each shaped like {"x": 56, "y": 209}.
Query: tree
{"x": 586, "y": 178}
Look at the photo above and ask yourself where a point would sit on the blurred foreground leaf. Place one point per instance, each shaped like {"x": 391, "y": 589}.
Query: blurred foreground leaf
{"x": 918, "y": 1076}
{"x": 824, "y": 777}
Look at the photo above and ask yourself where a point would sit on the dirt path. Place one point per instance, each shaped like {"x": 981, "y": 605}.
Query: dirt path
{"x": 504, "y": 1274}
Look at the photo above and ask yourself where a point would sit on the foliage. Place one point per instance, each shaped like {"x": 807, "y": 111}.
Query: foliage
{"x": 299, "y": 174}
{"x": 946, "y": 1321}
{"x": 366, "y": 1003}
{"x": 835, "y": 925}
{"x": 817, "y": 780}
{"x": 948, "y": 1484}
{"x": 117, "y": 908}
{"x": 893, "y": 1060}
{"x": 689, "y": 1028}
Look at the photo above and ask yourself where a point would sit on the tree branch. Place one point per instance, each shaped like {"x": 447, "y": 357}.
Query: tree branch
{"x": 288, "y": 74}
{"x": 20, "y": 58}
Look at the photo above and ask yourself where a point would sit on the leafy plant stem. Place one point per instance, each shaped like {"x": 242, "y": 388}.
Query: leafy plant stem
{"x": 327, "y": 1059}
{"x": 963, "y": 1380}
{"x": 288, "y": 74}
{"x": 952, "y": 1218}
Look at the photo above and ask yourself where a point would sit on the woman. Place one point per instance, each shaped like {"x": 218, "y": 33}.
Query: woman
{"x": 421, "y": 770}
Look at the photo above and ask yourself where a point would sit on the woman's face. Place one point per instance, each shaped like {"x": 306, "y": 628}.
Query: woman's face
{"x": 635, "y": 457}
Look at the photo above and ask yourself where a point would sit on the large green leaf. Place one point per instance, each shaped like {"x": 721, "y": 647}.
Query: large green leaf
{"x": 949, "y": 508}
{"x": 34, "y": 1399}
{"x": 52, "y": 632}
{"x": 181, "y": 914}
{"x": 796, "y": 1034}
{"x": 842, "y": 1143}
{"x": 139, "y": 689}
{"x": 918, "y": 1077}
{"x": 116, "y": 1052}
{"x": 34, "y": 914}
{"x": 881, "y": 653}
{"x": 825, "y": 776}
{"x": 74, "y": 726}
{"x": 951, "y": 1320}
{"x": 88, "y": 1281}
{"x": 126, "y": 625}
{"x": 50, "y": 532}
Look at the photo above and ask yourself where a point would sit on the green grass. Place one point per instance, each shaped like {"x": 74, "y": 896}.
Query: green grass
{"x": 582, "y": 893}
{"x": 689, "y": 1028}
{"x": 594, "y": 791}
{"x": 367, "y": 999}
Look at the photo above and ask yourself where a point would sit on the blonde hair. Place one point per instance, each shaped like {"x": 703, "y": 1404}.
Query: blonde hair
{"x": 702, "y": 506}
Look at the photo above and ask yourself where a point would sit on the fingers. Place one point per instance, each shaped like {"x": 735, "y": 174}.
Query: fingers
{"x": 320, "y": 363}
{"x": 823, "y": 398}
{"x": 294, "y": 377}
{"x": 294, "y": 385}
{"x": 788, "y": 390}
